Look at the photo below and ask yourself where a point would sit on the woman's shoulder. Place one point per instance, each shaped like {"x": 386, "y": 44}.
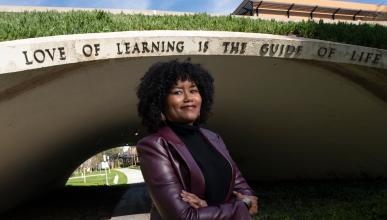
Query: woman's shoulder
{"x": 151, "y": 139}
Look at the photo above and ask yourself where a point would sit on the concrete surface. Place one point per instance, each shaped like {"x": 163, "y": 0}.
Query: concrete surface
{"x": 132, "y": 175}
{"x": 145, "y": 216}
{"x": 317, "y": 111}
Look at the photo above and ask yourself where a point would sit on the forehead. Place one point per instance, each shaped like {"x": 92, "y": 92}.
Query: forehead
{"x": 184, "y": 83}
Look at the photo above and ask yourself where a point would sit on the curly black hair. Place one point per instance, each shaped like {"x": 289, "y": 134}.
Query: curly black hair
{"x": 157, "y": 82}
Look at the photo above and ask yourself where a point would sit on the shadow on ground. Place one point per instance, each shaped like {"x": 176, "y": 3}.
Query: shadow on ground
{"x": 83, "y": 202}
{"x": 301, "y": 199}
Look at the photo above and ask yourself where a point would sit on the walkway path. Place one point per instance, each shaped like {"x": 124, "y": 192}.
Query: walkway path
{"x": 132, "y": 217}
{"x": 133, "y": 175}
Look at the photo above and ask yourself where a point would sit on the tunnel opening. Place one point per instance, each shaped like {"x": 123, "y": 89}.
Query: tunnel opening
{"x": 115, "y": 166}
{"x": 107, "y": 185}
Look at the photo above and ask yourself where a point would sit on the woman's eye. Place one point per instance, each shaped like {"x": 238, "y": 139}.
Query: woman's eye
{"x": 177, "y": 92}
{"x": 194, "y": 91}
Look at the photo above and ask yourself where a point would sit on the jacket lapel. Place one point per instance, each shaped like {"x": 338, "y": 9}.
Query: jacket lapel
{"x": 197, "y": 178}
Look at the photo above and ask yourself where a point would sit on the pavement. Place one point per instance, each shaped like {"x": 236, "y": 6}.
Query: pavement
{"x": 132, "y": 217}
{"x": 132, "y": 175}
{"x": 135, "y": 202}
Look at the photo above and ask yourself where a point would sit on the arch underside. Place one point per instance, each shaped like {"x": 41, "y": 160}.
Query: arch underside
{"x": 280, "y": 118}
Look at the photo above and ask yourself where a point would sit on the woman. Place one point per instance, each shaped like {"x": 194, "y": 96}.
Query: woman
{"x": 187, "y": 169}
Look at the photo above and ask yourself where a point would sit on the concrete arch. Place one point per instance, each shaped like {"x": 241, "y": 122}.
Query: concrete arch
{"x": 316, "y": 111}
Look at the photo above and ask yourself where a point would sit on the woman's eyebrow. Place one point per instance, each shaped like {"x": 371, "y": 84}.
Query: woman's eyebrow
{"x": 182, "y": 87}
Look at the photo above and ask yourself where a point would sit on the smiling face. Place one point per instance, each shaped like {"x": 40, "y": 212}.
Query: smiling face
{"x": 183, "y": 103}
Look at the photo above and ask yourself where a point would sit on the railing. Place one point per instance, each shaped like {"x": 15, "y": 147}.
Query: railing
{"x": 310, "y": 11}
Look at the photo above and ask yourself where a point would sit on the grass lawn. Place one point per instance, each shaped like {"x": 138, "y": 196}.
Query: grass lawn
{"x": 36, "y": 24}
{"x": 97, "y": 178}
{"x": 328, "y": 200}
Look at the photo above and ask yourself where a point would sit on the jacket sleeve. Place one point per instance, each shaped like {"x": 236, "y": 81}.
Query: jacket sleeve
{"x": 240, "y": 184}
{"x": 164, "y": 188}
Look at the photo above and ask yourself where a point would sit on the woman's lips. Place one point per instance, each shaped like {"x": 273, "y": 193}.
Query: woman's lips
{"x": 188, "y": 107}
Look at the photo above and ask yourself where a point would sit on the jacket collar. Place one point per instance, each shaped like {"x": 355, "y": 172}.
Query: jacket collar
{"x": 197, "y": 178}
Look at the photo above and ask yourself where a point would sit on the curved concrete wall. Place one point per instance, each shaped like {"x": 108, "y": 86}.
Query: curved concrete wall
{"x": 42, "y": 52}
{"x": 315, "y": 110}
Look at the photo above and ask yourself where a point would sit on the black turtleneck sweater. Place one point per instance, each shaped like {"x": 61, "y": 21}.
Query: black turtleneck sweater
{"x": 215, "y": 168}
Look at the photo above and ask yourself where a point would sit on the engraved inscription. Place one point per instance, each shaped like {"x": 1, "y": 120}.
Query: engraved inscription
{"x": 365, "y": 57}
{"x": 326, "y": 52}
{"x": 41, "y": 55}
{"x": 278, "y": 50}
{"x": 88, "y": 49}
{"x": 203, "y": 46}
{"x": 234, "y": 47}
{"x": 136, "y": 46}
{"x": 149, "y": 47}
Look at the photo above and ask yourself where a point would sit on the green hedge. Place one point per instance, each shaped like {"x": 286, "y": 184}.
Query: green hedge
{"x": 36, "y": 24}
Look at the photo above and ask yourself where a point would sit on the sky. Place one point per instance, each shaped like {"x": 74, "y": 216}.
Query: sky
{"x": 209, "y": 6}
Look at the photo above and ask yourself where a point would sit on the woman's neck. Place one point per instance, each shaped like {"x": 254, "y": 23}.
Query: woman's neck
{"x": 182, "y": 127}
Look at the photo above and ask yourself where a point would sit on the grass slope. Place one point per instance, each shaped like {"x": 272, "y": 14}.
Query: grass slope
{"x": 98, "y": 179}
{"x": 36, "y": 24}
{"x": 317, "y": 200}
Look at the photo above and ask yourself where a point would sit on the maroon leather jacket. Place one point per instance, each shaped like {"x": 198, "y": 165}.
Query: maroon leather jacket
{"x": 168, "y": 168}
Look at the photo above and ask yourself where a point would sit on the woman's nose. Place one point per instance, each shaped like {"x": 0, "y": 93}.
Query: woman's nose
{"x": 187, "y": 97}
